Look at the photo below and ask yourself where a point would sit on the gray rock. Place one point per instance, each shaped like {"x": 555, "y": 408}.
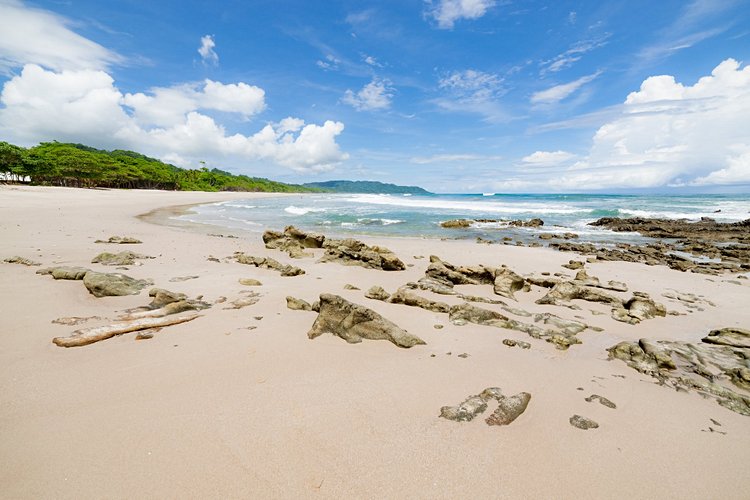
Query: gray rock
{"x": 583, "y": 422}
{"x": 353, "y": 322}
{"x": 113, "y": 284}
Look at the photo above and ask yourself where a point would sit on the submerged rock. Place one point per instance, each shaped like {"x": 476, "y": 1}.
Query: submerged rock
{"x": 113, "y": 284}
{"x": 353, "y": 322}
{"x": 583, "y": 422}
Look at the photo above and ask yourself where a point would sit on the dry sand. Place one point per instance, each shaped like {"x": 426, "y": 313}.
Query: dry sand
{"x": 211, "y": 408}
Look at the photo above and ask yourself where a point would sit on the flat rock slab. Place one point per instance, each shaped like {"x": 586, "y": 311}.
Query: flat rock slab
{"x": 113, "y": 284}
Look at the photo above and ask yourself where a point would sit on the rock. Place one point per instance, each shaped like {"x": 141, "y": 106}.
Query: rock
{"x": 179, "y": 279}
{"x": 297, "y": 304}
{"x": 120, "y": 240}
{"x": 353, "y": 322}
{"x": 566, "y": 291}
{"x": 457, "y": 223}
{"x": 466, "y": 411}
{"x": 350, "y": 287}
{"x": 145, "y": 335}
{"x": 406, "y": 297}
{"x": 466, "y": 313}
{"x": 118, "y": 259}
{"x": 113, "y": 284}
{"x": 269, "y": 263}
{"x": 377, "y": 292}
{"x": 509, "y": 409}
{"x": 507, "y": 282}
{"x": 162, "y": 297}
{"x": 734, "y": 337}
{"x": 353, "y": 252}
{"x": 293, "y": 241}
{"x": 583, "y": 422}
{"x": 250, "y": 282}
{"x": 565, "y": 326}
{"x": 535, "y": 222}
{"x": 582, "y": 278}
{"x": 604, "y": 401}
{"x": 21, "y": 260}
{"x": 574, "y": 264}
{"x": 687, "y": 366}
{"x": 519, "y": 343}
{"x": 65, "y": 272}
{"x": 640, "y": 307}
{"x": 244, "y": 302}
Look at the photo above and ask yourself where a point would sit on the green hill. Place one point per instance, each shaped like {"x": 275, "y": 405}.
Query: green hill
{"x": 77, "y": 165}
{"x": 374, "y": 187}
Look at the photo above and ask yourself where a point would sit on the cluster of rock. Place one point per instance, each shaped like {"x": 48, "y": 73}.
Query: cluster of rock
{"x": 160, "y": 312}
{"x": 440, "y": 277}
{"x": 16, "y": 259}
{"x": 509, "y": 408}
{"x": 726, "y": 245}
{"x": 99, "y": 284}
{"x": 464, "y": 223}
{"x": 717, "y": 367}
{"x": 353, "y": 322}
{"x": 268, "y": 263}
{"x": 345, "y": 251}
{"x": 120, "y": 240}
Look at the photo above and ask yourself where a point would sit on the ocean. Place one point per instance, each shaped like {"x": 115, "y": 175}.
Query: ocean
{"x": 351, "y": 215}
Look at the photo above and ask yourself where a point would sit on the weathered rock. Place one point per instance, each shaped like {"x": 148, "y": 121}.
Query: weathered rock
{"x": 701, "y": 367}
{"x": 466, "y": 411}
{"x": 507, "y": 282}
{"x": 241, "y": 302}
{"x": 457, "y": 223}
{"x": 467, "y": 313}
{"x": 509, "y": 409}
{"x": 249, "y": 282}
{"x": 118, "y": 259}
{"x": 180, "y": 279}
{"x": 65, "y": 272}
{"x": 734, "y": 337}
{"x": 406, "y": 297}
{"x": 113, "y": 284}
{"x": 293, "y": 241}
{"x": 21, "y": 260}
{"x": 604, "y": 401}
{"x": 162, "y": 297}
{"x": 519, "y": 343}
{"x": 640, "y": 307}
{"x": 350, "y": 287}
{"x": 583, "y": 422}
{"x": 566, "y": 291}
{"x": 120, "y": 240}
{"x": 565, "y": 326}
{"x": 297, "y": 304}
{"x": 574, "y": 264}
{"x": 269, "y": 263}
{"x": 582, "y": 278}
{"x": 353, "y": 322}
{"x": 377, "y": 292}
{"x": 353, "y": 252}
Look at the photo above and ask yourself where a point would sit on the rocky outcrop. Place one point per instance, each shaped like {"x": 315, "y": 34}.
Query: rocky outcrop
{"x": 21, "y": 260}
{"x": 353, "y": 252}
{"x": 457, "y": 223}
{"x": 126, "y": 258}
{"x": 407, "y": 297}
{"x": 293, "y": 241}
{"x": 707, "y": 368}
{"x": 120, "y": 240}
{"x": 640, "y": 307}
{"x": 269, "y": 263}
{"x": 582, "y": 278}
{"x": 65, "y": 272}
{"x": 113, "y": 284}
{"x": 508, "y": 409}
{"x": 583, "y": 422}
{"x": 464, "y": 223}
{"x": 440, "y": 277}
{"x": 706, "y": 228}
{"x": 565, "y": 291}
{"x": 732, "y": 337}
{"x": 353, "y": 322}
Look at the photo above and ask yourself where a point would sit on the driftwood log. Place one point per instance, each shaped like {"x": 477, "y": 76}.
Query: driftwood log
{"x": 86, "y": 336}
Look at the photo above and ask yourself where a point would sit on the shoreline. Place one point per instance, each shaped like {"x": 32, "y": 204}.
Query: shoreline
{"x": 241, "y": 402}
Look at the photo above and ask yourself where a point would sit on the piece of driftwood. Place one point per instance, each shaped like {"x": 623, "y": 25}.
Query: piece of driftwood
{"x": 86, "y": 336}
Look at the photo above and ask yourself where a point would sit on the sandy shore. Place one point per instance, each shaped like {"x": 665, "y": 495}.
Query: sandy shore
{"x": 240, "y": 403}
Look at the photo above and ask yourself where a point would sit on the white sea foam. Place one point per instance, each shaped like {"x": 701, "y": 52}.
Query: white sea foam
{"x": 474, "y": 206}
{"x": 302, "y": 210}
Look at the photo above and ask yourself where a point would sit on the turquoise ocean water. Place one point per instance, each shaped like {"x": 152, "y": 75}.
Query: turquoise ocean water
{"x": 419, "y": 216}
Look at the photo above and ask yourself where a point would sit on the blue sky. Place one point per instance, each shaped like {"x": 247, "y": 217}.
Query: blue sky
{"x": 452, "y": 95}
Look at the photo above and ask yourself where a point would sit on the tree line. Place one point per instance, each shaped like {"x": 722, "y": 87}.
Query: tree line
{"x": 76, "y": 165}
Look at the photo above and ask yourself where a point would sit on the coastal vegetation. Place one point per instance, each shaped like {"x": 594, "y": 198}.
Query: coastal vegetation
{"x": 372, "y": 187}
{"x": 76, "y": 165}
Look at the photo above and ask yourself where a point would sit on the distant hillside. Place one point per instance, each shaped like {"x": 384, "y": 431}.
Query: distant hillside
{"x": 365, "y": 187}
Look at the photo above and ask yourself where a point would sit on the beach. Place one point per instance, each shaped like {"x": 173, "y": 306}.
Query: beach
{"x": 239, "y": 402}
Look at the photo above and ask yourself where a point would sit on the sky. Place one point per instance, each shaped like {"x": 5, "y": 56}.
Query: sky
{"x": 451, "y": 95}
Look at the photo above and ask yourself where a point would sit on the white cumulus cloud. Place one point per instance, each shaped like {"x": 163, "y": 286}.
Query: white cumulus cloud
{"x": 29, "y": 35}
{"x": 85, "y": 106}
{"x": 447, "y": 12}
{"x": 547, "y": 158}
{"x": 375, "y": 95}
{"x": 206, "y": 50}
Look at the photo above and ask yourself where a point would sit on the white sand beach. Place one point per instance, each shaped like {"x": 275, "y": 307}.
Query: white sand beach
{"x": 240, "y": 403}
